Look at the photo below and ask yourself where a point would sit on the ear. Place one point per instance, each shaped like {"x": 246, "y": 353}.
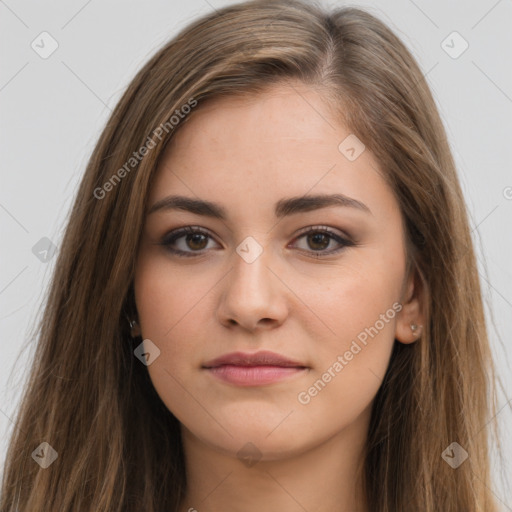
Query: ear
{"x": 410, "y": 320}
{"x": 135, "y": 329}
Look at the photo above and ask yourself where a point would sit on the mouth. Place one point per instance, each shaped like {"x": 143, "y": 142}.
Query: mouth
{"x": 261, "y": 368}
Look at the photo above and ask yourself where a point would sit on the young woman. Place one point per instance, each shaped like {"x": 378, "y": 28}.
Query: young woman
{"x": 267, "y": 296}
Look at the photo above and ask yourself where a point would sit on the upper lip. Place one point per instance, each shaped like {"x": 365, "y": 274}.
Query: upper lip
{"x": 263, "y": 358}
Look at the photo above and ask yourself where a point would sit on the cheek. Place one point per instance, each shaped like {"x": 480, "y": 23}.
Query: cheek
{"x": 349, "y": 300}
{"x": 359, "y": 308}
{"x": 168, "y": 297}
{"x": 174, "y": 314}
{"x": 351, "y": 365}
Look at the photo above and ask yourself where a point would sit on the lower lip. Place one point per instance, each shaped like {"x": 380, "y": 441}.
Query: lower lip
{"x": 253, "y": 375}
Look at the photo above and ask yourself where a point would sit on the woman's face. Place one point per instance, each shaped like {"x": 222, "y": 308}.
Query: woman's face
{"x": 316, "y": 281}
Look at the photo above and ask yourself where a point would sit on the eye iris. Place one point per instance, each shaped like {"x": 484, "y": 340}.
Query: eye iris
{"x": 317, "y": 239}
{"x": 195, "y": 237}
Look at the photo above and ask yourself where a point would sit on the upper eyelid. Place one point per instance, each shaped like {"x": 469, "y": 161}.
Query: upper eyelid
{"x": 177, "y": 233}
{"x": 323, "y": 228}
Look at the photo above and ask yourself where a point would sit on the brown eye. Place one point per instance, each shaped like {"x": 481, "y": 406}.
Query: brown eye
{"x": 318, "y": 239}
{"x": 186, "y": 241}
{"x": 196, "y": 241}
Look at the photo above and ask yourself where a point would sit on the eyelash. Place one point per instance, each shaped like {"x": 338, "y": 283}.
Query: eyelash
{"x": 171, "y": 237}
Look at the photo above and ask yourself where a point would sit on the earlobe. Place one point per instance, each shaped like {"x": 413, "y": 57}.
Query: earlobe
{"x": 414, "y": 334}
{"x": 408, "y": 332}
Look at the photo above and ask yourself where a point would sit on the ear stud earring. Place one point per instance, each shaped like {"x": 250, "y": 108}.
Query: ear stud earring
{"x": 415, "y": 329}
{"x": 134, "y": 328}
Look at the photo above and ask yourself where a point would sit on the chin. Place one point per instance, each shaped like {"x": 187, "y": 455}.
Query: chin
{"x": 253, "y": 435}
{"x": 262, "y": 448}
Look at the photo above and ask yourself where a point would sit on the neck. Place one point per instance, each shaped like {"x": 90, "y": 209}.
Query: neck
{"x": 326, "y": 476}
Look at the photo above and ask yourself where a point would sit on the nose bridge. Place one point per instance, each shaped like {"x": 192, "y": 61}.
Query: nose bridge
{"x": 250, "y": 264}
{"x": 252, "y": 291}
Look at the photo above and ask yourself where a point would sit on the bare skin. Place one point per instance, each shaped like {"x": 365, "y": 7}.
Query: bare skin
{"x": 306, "y": 450}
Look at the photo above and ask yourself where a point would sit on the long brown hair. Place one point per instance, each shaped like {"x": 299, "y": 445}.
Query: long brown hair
{"x": 89, "y": 398}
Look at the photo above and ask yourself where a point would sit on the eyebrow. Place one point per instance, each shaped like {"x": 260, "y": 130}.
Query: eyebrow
{"x": 283, "y": 208}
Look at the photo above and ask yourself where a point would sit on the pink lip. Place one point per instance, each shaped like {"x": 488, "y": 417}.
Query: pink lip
{"x": 257, "y": 369}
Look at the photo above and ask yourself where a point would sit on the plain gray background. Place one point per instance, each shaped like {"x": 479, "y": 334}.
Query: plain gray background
{"x": 54, "y": 108}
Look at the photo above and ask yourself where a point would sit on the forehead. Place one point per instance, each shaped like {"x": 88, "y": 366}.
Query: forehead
{"x": 282, "y": 117}
{"x": 262, "y": 147}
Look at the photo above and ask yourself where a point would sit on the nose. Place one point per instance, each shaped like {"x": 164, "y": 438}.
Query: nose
{"x": 254, "y": 295}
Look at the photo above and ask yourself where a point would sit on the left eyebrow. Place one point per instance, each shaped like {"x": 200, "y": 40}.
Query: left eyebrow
{"x": 284, "y": 207}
